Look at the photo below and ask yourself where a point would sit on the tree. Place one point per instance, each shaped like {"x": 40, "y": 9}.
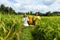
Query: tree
{"x": 6, "y": 10}
{"x": 2, "y": 7}
{"x": 48, "y": 13}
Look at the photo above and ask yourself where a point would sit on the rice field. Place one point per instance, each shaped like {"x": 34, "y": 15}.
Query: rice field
{"x": 11, "y": 28}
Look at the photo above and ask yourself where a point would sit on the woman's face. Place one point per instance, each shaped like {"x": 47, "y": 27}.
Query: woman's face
{"x": 36, "y": 14}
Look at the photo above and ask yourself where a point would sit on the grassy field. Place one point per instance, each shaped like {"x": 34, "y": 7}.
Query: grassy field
{"x": 11, "y": 28}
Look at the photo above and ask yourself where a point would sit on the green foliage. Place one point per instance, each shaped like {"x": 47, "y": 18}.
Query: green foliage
{"x": 48, "y": 29}
{"x": 26, "y": 34}
{"x": 6, "y": 10}
{"x": 11, "y": 28}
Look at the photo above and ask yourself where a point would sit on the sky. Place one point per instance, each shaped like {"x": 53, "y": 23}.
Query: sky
{"x": 42, "y": 6}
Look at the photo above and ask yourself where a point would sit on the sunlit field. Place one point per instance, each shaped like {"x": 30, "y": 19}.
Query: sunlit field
{"x": 11, "y": 28}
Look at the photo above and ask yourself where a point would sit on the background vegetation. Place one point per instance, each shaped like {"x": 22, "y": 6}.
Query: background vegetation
{"x": 9, "y": 10}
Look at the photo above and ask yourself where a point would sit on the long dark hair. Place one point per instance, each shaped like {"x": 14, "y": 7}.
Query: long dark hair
{"x": 37, "y": 14}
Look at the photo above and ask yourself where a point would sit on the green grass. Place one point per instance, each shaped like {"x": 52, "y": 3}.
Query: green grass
{"x": 11, "y": 28}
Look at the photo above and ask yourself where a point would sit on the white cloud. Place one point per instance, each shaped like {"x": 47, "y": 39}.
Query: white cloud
{"x": 55, "y": 6}
{"x": 32, "y": 5}
{"x": 48, "y": 2}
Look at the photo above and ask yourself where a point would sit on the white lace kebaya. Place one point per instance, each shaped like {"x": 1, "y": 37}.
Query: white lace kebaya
{"x": 25, "y": 21}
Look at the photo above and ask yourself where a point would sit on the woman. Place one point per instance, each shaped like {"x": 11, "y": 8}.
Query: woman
{"x": 30, "y": 20}
{"x": 25, "y": 20}
{"x": 36, "y": 19}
